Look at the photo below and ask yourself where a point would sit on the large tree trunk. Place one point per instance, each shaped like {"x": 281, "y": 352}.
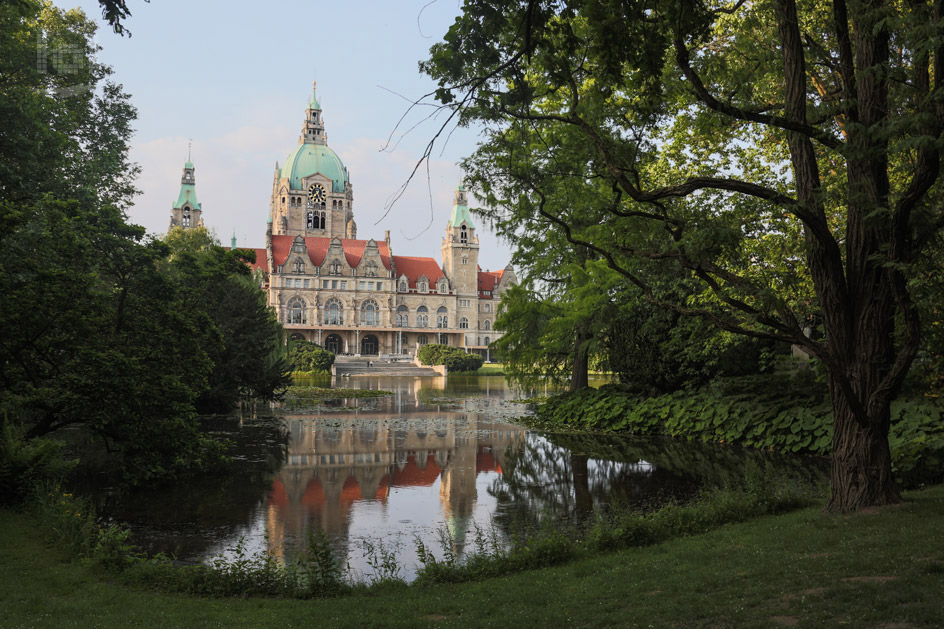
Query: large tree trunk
{"x": 861, "y": 462}
{"x": 580, "y": 378}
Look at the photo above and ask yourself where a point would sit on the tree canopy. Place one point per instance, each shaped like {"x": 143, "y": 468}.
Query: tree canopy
{"x": 104, "y": 330}
{"x": 785, "y": 154}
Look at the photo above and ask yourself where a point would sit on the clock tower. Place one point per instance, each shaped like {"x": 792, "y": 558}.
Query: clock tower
{"x": 312, "y": 194}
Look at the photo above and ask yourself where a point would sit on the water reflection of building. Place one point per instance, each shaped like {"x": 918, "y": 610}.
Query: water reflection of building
{"x": 335, "y": 462}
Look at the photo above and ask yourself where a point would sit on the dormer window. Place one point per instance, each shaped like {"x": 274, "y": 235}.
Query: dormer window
{"x": 443, "y": 288}
{"x": 403, "y": 286}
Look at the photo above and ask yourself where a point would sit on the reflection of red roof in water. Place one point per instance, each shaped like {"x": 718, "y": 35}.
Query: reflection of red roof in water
{"x": 384, "y": 489}
{"x": 485, "y": 461}
{"x": 351, "y": 490}
{"x": 412, "y": 476}
{"x": 314, "y": 493}
{"x": 277, "y": 495}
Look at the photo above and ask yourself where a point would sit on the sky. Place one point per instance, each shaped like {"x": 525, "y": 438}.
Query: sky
{"x": 234, "y": 79}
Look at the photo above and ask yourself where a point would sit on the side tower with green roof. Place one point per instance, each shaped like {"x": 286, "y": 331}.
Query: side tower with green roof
{"x": 311, "y": 192}
{"x": 186, "y": 211}
{"x": 460, "y": 256}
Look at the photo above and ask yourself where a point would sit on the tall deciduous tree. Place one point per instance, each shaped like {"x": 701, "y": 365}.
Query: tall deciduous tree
{"x": 785, "y": 153}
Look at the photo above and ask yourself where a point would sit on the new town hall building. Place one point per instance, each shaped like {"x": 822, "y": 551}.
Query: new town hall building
{"x": 355, "y": 296}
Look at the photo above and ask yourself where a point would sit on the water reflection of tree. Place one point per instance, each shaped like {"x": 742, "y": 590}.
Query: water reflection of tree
{"x": 187, "y": 519}
{"x": 566, "y": 477}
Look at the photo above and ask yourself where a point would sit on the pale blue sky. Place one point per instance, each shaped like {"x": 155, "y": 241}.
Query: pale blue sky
{"x": 235, "y": 77}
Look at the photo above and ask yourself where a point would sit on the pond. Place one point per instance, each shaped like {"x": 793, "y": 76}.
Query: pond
{"x": 442, "y": 462}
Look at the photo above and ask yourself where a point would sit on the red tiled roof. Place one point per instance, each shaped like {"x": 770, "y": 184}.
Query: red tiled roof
{"x": 413, "y": 268}
{"x": 318, "y": 250}
{"x": 488, "y": 280}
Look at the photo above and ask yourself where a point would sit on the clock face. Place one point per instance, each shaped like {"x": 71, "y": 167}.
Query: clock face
{"x": 316, "y": 193}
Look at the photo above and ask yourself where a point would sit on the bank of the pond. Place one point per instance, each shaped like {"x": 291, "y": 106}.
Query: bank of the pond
{"x": 804, "y": 568}
{"x": 323, "y": 393}
{"x": 788, "y": 414}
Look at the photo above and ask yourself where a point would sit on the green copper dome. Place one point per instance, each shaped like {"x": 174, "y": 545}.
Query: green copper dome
{"x": 309, "y": 159}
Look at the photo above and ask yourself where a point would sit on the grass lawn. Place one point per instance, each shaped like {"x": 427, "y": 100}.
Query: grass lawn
{"x": 491, "y": 369}
{"x": 803, "y": 569}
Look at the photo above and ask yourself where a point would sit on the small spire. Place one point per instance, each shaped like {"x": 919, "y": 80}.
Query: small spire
{"x": 233, "y": 248}
{"x": 189, "y": 146}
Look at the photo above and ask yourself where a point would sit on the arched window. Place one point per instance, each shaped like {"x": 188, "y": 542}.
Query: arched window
{"x": 486, "y": 340}
{"x": 371, "y": 269}
{"x": 442, "y": 318}
{"x": 443, "y": 287}
{"x": 464, "y": 323}
{"x": 310, "y": 222}
{"x": 464, "y": 234}
{"x": 487, "y": 325}
{"x": 403, "y": 286}
{"x": 299, "y": 266}
{"x": 370, "y": 313}
{"x": 334, "y": 312}
{"x": 422, "y": 286}
{"x": 185, "y": 220}
{"x": 296, "y": 311}
{"x": 422, "y": 317}
{"x": 334, "y": 268}
{"x": 487, "y": 307}
{"x": 403, "y": 316}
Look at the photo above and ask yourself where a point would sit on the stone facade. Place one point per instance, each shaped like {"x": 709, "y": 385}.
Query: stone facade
{"x": 355, "y": 296}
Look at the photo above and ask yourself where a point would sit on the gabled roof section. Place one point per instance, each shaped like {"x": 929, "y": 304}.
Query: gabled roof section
{"x": 489, "y": 280}
{"x": 413, "y": 268}
{"x": 318, "y": 250}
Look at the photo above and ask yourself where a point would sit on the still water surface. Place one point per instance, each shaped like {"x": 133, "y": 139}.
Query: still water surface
{"x": 442, "y": 461}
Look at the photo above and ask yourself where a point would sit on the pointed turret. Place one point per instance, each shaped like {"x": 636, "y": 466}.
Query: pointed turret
{"x": 313, "y": 131}
{"x": 460, "y": 209}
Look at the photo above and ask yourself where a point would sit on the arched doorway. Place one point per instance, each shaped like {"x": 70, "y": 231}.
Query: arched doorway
{"x": 297, "y": 336}
{"x": 369, "y": 345}
{"x": 334, "y": 344}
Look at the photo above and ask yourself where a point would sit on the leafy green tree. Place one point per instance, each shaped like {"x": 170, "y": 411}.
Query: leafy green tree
{"x": 94, "y": 336}
{"x": 308, "y": 356}
{"x": 785, "y": 155}
{"x": 244, "y": 340}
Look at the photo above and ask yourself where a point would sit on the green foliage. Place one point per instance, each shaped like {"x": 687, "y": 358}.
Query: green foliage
{"x": 244, "y": 340}
{"x": 322, "y": 393}
{"x": 104, "y": 331}
{"x": 552, "y": 544}
{"x": 783, "y": 413}
{"x": 309, "y": 357}
{"x": 24, "y": 464}
{"x": 455, "y": 359}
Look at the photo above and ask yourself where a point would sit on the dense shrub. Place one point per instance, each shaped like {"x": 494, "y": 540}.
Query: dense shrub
{"x": 781, "y": 416}
{"x": 26, "y": 463}
{"x": 453, "y": 358}
{"x": 308, "y": 356}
